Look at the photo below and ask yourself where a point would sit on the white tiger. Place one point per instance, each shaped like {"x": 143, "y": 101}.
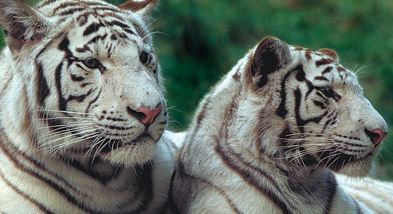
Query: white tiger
{"x": 82, "y": 111}
{"x": 375, "y": 194}
{"x": 268, "y": 137}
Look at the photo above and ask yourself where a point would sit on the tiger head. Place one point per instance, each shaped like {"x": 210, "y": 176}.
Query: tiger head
{"x": 304, "y": 107}
{"x": 91, "y": 77}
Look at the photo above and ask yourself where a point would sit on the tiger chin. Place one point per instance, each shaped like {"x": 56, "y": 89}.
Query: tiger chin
{"x": 270, "y": 134}
{"x": 82, "y": 111}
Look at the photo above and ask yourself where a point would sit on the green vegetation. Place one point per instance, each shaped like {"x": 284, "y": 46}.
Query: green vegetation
{"x": 199, "y": 40}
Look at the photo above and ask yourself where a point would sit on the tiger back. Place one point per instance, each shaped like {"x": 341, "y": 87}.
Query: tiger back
{"x": 270, "y": 134}
{"x": 82, "y": 114}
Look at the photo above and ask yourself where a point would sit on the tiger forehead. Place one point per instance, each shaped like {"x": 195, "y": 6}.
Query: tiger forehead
{"x": 314, "y": 56}
{"x": 66, "y": 8}
{"x": 326, "y": 69}
{"x": 105, "y": 15}
{"x": 318, "y": 58}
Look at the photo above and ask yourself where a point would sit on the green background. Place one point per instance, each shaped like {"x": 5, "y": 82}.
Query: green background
{"x": 198, "y": 41}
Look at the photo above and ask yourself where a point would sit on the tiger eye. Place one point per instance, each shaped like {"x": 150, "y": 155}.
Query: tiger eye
{"x": 145, "y": 57}
{"x": 92, "y": 63}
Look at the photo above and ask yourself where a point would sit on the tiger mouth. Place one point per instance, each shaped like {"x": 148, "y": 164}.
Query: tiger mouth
{"x": 110, "y": 145}
{"x": 341, "y": 160}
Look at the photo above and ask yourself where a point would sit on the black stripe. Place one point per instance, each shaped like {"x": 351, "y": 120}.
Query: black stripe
{"x": 117, "y": 127}
{"x": 139, "y": 29}
{"x": 107, "y": 8}
{"x": 331, "y": 192}
{"x": 327, "y": 70}
{"x": 82, "y": 18}
{"x": 299, "y": 120}
{"x": 6, "y": 85}
{"x": 64, "y": 6}
{"x": 326, "y": 124}
{"x": 202, "y": 113}
{"x": 114, "y": 38}
{"x": 71, "y": 7}
{"x": 145, "y": 182}
{"x": 321, "y": 78}
{"x": 129, "y": 31}
{"x": 114, "y": 15}
{"x": 96, "y": 39}
{"x": 71, "y": 11}
{"x": 341, "y": 69}
{"x": 62, "y": 102}
{"x": 171, "y": 205}
{"x": 210, "y": 185}
{"x": 236, "y": 162}
{"x": 358, "y": 208}
{"x": 323, "y": 62}
{"x": 83, "y": 49}
{"x": 89, "y": 170}
{"x": 119, "y": 24}
{"x": 42, "y": 85}
{"x": 77, "y": 78}
{"x": 45, "y": 3}
{"x": 310, "y": 86}
{"x": 248, "y": 178}
{"x": 92, "y": 28}
{"x": 37, "y": 204}
{"x": 93, "y": 101}
{"x": 40, "y": 166}
{"x": 282, "y": 110}
{"x": 319, "y": 104}
{"x": 323, "y": 96}
{"x": 80, "y": 98}
{"x": 63, "y": 46}
{"x": 47, "y": 181}
{"x": 330, "y": 119}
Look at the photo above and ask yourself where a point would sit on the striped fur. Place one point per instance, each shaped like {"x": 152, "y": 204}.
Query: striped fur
{"x": 269, "y": 136}
{"x": 375, "y": 194}
{"x": 77, "y": 78}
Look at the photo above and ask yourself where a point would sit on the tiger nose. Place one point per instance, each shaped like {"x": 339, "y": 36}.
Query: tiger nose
{"x": 145, "y": 115}
{"x": 376, "y": 135}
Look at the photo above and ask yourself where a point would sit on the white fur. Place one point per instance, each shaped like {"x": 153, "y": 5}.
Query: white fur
{"x": 232, "y": 160}
{"x": 68, "y": 171}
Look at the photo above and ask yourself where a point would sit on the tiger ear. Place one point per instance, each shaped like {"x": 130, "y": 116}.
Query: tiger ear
{"x": 331, "y": 53}
{"x": 22, "y": 24}
{"x": 143, "y": 8}
{"x": 270, "y": 56}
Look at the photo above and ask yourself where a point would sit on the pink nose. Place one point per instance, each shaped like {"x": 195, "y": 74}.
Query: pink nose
{"x": 149, "y": 115}
{"x": 376, "y": 135}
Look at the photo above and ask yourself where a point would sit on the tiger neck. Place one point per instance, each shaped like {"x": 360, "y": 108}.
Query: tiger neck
{"x": 245, "y": 153}
{"x": 260, "y": 171}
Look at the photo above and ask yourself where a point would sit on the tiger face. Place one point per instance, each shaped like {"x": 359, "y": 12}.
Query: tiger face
{"x": 313, "y": 108}
{"x": 95, "y": 84}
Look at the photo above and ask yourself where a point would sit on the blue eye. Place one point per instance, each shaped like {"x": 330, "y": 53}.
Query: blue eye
{"x": 92, "y": 63}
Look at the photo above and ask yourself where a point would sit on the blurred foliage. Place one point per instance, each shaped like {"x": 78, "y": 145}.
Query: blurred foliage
{"x": 198, "y": 41}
